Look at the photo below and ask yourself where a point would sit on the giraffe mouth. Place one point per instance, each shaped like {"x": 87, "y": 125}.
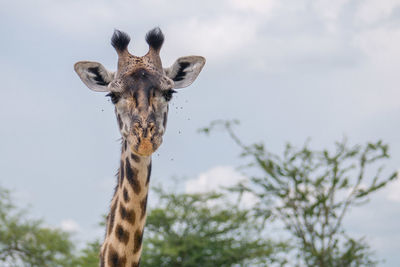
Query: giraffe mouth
{"x": 145, "y": 147}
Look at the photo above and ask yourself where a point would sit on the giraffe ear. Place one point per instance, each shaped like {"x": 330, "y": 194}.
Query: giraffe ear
{"x": 185, "y": 70}
{"x": 94, "y": 75}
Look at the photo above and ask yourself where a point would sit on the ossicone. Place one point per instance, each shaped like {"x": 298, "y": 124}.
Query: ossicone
{"x": 120, "y": 40}
{"x": 155, "y": 39}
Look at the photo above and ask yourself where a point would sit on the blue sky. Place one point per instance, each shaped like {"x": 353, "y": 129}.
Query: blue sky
{"x": 288, "y": 70}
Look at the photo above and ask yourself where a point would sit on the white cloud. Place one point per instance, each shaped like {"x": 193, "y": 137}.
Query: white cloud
{"x": 215, "y": 179}
{"x": 248, "y": 200}
{"x": 70, "y": 225}
{"x": 329, "y": 9}
{"x": 256, "y": 6}
{"x": 371, "y": 11}
{"x": 378, "y": 88}
{"x": 380, "y": 44}
{"x": 69, "y": 17}
{"x": 234, "y": 27}
{"x": 330, "y": 12}
{"x": 215, "y": 38}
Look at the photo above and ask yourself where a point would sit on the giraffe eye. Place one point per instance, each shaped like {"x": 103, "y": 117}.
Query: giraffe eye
{"x": 114, "y": 97}
{"x": 168, "y": 94}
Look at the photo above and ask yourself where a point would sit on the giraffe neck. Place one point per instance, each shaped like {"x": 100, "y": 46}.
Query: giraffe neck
{"x": 125, "y": 222}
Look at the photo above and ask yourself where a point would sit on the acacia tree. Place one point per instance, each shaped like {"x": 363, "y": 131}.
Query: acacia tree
{"x": 26, "y": 242}
{"x": 311, "y": 191}
{"x": 191, "y": 230}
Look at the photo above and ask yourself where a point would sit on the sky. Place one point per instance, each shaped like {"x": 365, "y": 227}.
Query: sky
{"x": 288, "y": 70}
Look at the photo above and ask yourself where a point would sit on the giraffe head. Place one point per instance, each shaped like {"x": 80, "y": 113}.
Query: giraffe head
{"x": 141, "y": 88}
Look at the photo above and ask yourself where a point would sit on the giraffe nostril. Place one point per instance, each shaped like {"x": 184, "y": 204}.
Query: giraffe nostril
{"x": 136, "y": 127}
{"x": 151, "y": 128}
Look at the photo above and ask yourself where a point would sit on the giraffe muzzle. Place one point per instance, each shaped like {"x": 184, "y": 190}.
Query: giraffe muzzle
{"x": 144, "y": 145}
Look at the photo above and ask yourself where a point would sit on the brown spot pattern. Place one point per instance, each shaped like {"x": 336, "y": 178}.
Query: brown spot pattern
{"x": 112, "y": 216}
{"x": 126, "y": 195}
{"x": 127, "y": 214}
{"x": 143, "y": 205}
{"x": 122, "y": 235}
{"x": 120, "y": 123}
{"x": 138, "y": 241}
{"x": 135, "y": 158}
{"x": 132, "y": 177}
{"x": 114, "y": 260}
{"x": 121, "y": 173}
{"x": 148, "y": 173}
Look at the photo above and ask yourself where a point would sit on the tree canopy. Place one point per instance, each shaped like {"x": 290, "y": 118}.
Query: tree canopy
{"x": 27, "y": 242}
{"x": 204, "y": 230}
{"x": 311, "y": 191}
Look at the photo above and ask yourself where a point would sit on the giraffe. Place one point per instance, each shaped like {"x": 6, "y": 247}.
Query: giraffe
{"x": 140, "y": 90}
